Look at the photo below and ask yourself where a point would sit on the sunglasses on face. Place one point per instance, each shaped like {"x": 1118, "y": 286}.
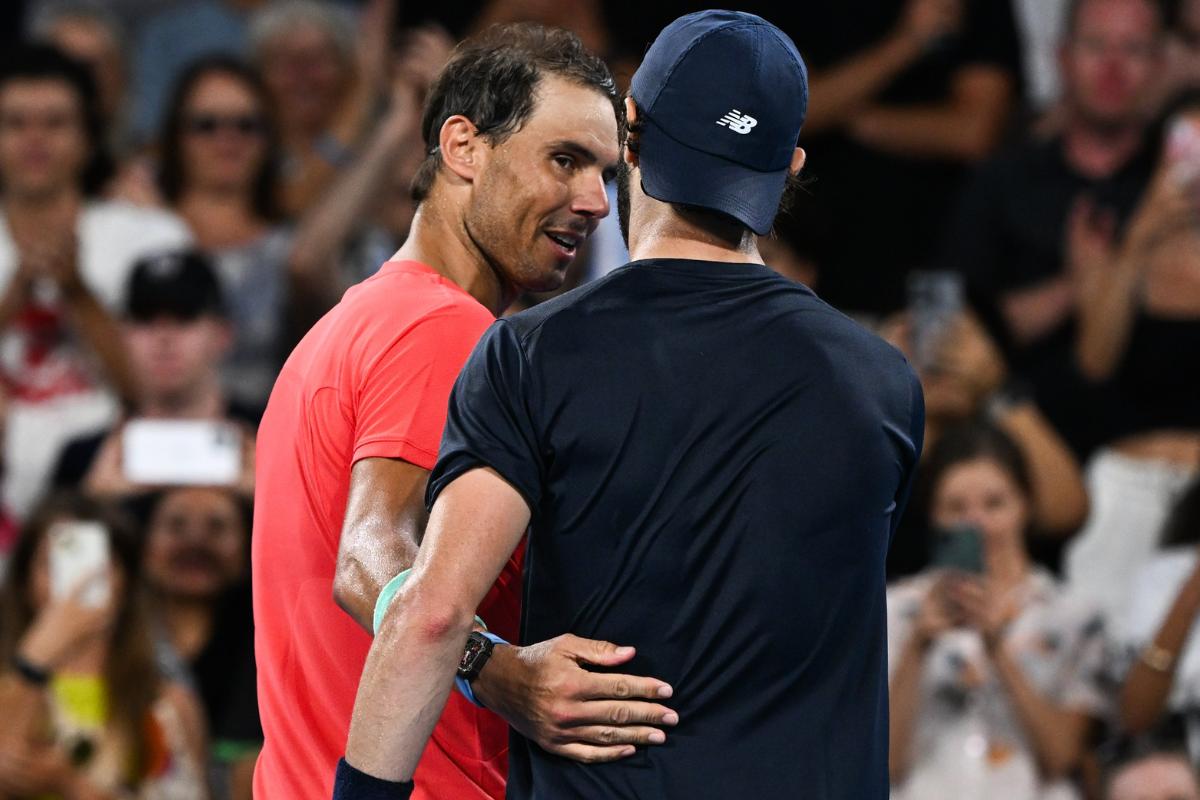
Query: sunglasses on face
{"x": 209, "y": 124}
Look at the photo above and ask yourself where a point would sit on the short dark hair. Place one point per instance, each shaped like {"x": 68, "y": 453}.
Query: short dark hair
{"x": 492, "y": 79}
{"x": 1071, "y": 18}
{"x": 171, "y": 172}
{"x": 43, "y": 62}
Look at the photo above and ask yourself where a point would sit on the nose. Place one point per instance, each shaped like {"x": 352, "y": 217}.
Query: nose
{"x": 591, "y": 196}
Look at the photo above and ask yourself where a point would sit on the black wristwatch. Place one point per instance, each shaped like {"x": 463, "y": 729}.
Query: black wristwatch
{"x": 476, "y": 654}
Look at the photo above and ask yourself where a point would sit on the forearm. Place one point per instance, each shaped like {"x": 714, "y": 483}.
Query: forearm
{"x": 904, "y": 701}
{"x": 324, "y": 231}
{"x": 407, "y": 678}
{"x": 1054, "y": 733}
{"x": 837, "y": 92}
{"x": 1106, "y": 313}
{"x": 1146, "y": 690}
{"x": 1060, "y": 499}
{"x": 949, "y": 131}
{"x": 99, "y": 330}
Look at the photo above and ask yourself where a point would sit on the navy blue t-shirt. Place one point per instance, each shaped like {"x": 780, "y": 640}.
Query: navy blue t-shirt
{"x": 715, "y": 461}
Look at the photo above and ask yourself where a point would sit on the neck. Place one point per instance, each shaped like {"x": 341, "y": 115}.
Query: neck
{"x": 220, "y": 217}
{"x": 206, "y": 402}
{"x": 37, "y": 207}
{"x": 1098, "y": 151}
{"x": 189, "y": 623}
{"x": 439, "y": 238}
{"x": 1006, "y": 564}
{"x": 663, "y": 231}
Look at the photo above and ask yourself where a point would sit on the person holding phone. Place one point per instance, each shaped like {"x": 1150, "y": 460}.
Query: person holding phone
{"x": 993, "y": 670}
{"x": 1139, "y": 338}
{"x": 87, "y": 713}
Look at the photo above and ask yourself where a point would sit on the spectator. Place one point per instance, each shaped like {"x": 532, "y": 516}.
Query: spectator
{"x": 364, "y": 217}
{"x": 197, "y": 566}
{"x": 175, "y": 333}
{"x": 64, "y": 261}
{"x": 1139, "y": 337}
{"x": 219, "y": 173}
{"x": 324, "y": 77}
{"x": 86, "y": 712}
{"x": 993, "y": 675}
{"x": 1009, "y": 236}
{"x": 905, "y": 95}
{"x": 1159, "y": 662}
{"x": 174, "y": 37}
{"x": 1152, "y": 773}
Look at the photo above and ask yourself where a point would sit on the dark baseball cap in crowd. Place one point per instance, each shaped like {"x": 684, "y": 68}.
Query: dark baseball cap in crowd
{"x": 722, "y": 95}
{"x": 178, "y": 284}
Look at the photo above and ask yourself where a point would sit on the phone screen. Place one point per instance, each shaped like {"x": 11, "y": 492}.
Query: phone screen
{"x": 935, "y": 299}
{"x": 959, "y": 548}
{"x": 79, "y": 552}
{"x": 174, "y": 452}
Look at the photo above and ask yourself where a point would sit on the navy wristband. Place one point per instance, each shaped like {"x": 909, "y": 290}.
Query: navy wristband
{"x": 350, "y": 784}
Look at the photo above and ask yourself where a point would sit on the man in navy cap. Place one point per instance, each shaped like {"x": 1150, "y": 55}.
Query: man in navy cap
{"x": 710, "y": 462}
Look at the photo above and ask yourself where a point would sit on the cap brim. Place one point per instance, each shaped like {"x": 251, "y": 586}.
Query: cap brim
{"x": 675, "y": 173}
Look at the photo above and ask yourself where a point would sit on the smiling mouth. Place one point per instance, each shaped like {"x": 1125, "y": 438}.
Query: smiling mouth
{"x": 568, "y": 243}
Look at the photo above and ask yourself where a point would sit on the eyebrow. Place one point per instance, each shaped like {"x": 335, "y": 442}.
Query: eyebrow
{"x": 583, "y": 154}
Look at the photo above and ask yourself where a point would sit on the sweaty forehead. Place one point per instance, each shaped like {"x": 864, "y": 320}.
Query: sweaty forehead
{"x": 566, "y": 110}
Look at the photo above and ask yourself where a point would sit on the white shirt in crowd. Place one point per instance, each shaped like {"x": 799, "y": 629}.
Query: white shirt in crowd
{"x": 55, "y": 389}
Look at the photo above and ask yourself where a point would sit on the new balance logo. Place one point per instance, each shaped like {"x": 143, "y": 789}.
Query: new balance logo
{"x": 737, "y": 121}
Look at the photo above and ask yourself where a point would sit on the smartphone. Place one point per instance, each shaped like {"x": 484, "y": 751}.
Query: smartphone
{"x": 78, "y": 552}
{"x": 935, "y": 300}
{"x": 179, "y": 452}
{"x": 959, "y": 549}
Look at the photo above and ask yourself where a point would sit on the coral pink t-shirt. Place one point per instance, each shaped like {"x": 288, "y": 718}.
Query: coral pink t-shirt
{"x": 371, "y": 379}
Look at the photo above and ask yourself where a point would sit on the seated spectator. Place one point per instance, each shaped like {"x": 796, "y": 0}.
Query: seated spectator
{"x": 994, "y": 670}
{"x": 1151, "y": 772}
{"x": 1009, "y": 234}
{"x": 324, "y": 75}
{"x": 966, "y": 380}
{"x": 364, "y": 217}
{"x": 175, "y": 333}
{"x": 1138, "y": 336}
{"x": 1157, "y": 658}
{"x": 198, "y": 569}
{"x": 87, "y": 714}
{"x": 906, "y": 94}
{"x": 64, "y": 262}
{"x": 219, "y": 173}
{"x": 173, "y": 35}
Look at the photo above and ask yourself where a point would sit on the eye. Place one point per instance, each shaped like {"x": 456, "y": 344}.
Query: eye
{"x": 564, "y": 161}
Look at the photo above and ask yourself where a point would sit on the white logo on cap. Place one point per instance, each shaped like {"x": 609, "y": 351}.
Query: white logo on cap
{"x": 737, "y": 121}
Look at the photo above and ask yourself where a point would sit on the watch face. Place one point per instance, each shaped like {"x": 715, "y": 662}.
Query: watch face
{"x": 470, "y": 654}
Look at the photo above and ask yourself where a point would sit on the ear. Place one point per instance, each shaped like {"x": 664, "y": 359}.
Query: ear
{"x": 631, "y": 118}
{"x": 798, "y": 158}
{"x": 459, "y": 142}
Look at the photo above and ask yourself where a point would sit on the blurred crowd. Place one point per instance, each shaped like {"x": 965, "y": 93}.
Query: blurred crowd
{"x": 1006, "y": 190}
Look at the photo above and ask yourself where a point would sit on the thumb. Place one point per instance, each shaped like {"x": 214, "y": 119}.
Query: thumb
{"x": 607, "y": 654}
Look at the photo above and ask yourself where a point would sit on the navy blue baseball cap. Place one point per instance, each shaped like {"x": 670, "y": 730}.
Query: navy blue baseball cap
{"x": 722, "y": 95}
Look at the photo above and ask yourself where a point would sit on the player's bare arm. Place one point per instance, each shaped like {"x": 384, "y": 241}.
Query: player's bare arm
{"x": 543, "y": 691}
